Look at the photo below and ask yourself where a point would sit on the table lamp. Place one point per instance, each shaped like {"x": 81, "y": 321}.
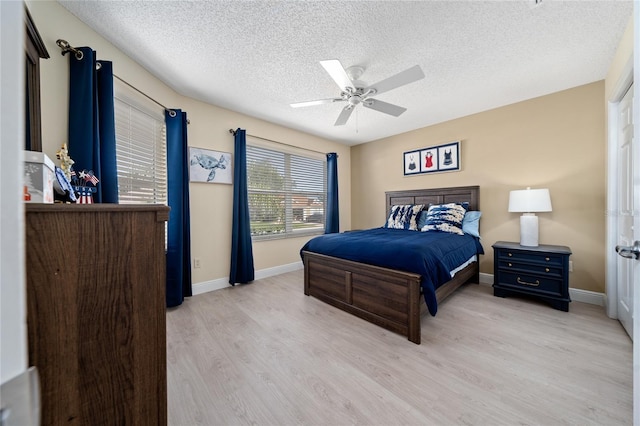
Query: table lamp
{"x": 528, "y": 202}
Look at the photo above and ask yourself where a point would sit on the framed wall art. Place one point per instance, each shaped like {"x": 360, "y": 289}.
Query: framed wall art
{"x": 440, "y": 158}
{"x": 411, "y": 162}
{"x": 209, "y": 166}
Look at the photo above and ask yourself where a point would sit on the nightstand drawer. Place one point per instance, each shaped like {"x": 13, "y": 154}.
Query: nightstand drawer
{"x": 524, "y": 256}
{"x": 531, "y": 283}
{"x": 531, "y": 268}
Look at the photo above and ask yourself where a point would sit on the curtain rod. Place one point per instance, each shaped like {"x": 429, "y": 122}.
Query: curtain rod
{"x": 233, "y": 132}
{"x": 172, "y": 113}
{"x": 67, "y": 48}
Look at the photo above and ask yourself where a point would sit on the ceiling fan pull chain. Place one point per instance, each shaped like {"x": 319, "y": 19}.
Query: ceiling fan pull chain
{"x": 356, "y": 121}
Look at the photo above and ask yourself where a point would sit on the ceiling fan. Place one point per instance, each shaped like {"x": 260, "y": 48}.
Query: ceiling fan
{"x": 354, "y": 91}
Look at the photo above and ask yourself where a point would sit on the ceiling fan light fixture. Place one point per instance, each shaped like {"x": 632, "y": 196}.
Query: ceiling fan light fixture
{"x": 355, "y": 92}
{"x": 355, "y": 100}
{"x": 354, "y": 72}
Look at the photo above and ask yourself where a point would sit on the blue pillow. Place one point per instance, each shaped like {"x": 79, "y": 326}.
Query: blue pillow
{"x": 446, "y": 218}
{"x": 471, "y": 223}
{"x": 404, "y": 217}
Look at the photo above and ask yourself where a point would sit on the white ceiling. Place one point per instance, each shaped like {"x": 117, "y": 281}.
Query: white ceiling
{"x": 257, "y": 57}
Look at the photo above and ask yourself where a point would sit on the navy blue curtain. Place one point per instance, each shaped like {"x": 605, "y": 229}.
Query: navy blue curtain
{"x": 332, "y": 223}
{"x": 241, "y": 251}
{"x": 179, "y": 227}
{"x": 92, "y": 136}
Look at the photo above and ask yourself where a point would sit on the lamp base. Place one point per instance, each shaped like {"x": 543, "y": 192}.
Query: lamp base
{"x": 529, "y": 230}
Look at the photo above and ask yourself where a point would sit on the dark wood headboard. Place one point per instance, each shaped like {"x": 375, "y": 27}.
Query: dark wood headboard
{"x": 460, "y": 194}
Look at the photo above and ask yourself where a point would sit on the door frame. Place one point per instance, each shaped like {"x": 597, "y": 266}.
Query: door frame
{"x": 613, "y": 104}
{"x": 636, "y": 293}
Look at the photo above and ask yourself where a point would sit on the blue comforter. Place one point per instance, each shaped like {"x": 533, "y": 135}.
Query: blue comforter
{"x": 431, "y": 254}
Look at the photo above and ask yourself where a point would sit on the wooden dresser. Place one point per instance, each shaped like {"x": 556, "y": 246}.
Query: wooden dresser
{"x": 96, "y": 312}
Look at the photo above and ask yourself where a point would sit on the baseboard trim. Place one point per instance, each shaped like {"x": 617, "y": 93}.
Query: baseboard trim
{"x": 586, "y": 296}
{"x": 486, "y": 279}
{"x": 277, "y": 270}
{"x": 219, "y": 283}
{"x": 576, "y": 294}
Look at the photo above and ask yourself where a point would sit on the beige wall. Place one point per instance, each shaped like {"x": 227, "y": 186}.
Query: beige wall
{"x": 211, "y": 204}
{"x": 554, "y": 142}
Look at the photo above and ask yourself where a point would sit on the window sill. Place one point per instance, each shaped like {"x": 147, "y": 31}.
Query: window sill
{"x": 298, "y": 234}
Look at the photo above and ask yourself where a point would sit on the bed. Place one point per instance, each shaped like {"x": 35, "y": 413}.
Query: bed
{"x": 391, "y": 298}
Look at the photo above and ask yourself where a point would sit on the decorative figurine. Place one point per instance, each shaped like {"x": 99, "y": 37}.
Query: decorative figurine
{"x": 81, "y": 185}
{"x": 65, "y": 161}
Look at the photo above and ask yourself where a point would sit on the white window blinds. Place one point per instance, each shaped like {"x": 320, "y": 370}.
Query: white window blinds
{"x": 140, "y": 149}
{"x": 286, "y": 192}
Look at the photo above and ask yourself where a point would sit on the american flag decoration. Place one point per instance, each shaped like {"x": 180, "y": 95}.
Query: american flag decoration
{"x": 90, "y": 177}
{"x": 85, "y": 194}
{"x": 81, "y": 183}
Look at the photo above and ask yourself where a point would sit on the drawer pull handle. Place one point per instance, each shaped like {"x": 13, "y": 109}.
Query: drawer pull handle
{"x": 547, "y": 259}
{"x": 537, "y": 283}
{"x": 510, "y": 265}
{"x": 509, "y": 254}
{"x": 546, "y": 269}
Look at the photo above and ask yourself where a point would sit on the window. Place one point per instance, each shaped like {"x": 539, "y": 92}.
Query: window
{"x": 140, "y": 148}
{"x": 286, "y": 192}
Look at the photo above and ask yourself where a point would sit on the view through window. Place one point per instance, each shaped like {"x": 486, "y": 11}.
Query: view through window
{"x": 286, "y": 193}
{"x": 141, "y": 154}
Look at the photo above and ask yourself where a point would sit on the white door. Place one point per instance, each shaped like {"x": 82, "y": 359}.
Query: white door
{"x": 623, "y": 224}
{"x": 626, "y": 263}
{"x": 628, "y": 235}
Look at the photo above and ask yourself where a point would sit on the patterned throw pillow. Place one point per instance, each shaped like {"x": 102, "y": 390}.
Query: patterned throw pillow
{"x": 445, "y": 217}
{"x": 404, "y": 217}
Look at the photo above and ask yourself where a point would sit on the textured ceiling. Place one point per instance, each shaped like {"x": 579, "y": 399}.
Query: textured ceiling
{"x": 257, "y": 57}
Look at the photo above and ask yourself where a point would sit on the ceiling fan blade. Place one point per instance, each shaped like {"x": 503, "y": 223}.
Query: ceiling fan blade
{"x": 337, "y": 73}
{"x": 385, "y": 107}
{"x": 316, "y": 102}
{"x": 344, "y": 115}
{"x": 405, "y": 77}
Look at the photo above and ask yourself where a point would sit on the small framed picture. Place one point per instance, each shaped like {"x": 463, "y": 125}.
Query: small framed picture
{"x": 429, "y": 160}
{"x": 209, "y": 166}
{"x": 411, "y": 162}
{"x": 449, "y": 157}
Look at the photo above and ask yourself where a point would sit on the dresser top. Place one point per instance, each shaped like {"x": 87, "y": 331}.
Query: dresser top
{"x": 542, "y": 248}
{"x": 162, "y": 211}
{"x": 58, "y": 207}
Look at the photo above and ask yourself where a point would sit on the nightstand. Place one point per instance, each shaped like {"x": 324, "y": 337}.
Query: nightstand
{"x": 541, "y": 271}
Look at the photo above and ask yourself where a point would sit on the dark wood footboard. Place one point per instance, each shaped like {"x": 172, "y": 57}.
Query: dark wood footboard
{"x": 388, "y": 298}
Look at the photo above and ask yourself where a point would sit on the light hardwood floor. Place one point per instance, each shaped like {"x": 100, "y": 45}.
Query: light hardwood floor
{"x": 266, "y": 354}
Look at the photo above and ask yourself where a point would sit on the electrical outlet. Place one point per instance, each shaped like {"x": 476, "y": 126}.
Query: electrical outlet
{"x": 196, "y": 262}
{"x": 571, "y": 266}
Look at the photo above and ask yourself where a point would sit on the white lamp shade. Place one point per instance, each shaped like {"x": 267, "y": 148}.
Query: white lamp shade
{"x": 530, "y": 201}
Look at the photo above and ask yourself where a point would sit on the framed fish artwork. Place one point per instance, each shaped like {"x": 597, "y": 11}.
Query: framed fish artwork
{"x": 209, "y": 166}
